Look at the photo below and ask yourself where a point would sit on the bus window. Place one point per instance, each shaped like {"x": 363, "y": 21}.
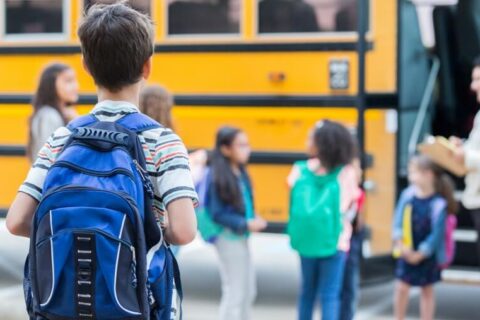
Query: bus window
{"x": 139, "y": 5}
{"x": 203, "y": 17}
{"x": 312, "y": 16}
{"x": 32, "y": 17}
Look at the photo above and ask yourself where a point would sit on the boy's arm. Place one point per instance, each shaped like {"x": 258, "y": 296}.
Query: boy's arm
{"x": 175, "y": 188}
{"x": 20, "y": 214}
{"x": 182, "y": 226}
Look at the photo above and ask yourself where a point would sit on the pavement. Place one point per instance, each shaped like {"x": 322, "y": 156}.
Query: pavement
{"x": 277, "y": 270}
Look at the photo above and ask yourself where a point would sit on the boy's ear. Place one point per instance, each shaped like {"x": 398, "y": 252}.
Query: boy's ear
{"x": 85, "y": 67}
{"x": 147, "y": 68}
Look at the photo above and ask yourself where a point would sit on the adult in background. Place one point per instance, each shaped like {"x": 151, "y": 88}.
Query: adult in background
{"x": 468, "y": 152}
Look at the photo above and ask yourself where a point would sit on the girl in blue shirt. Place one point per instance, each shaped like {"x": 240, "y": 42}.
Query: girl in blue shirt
{"x": 426, "y": 204}
{"x": 230, "y": 204}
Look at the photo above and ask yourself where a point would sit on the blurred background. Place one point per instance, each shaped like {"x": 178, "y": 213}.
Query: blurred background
{"x": 392, "y": 71}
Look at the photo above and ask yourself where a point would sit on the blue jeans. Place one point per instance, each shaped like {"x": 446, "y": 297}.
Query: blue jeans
{"x": 322, "y": 278}
{"x": 351, "y": 278}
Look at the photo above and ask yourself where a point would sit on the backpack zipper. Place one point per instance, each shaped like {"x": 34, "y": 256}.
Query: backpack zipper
{"x": 103, "y": 233}
{"x": 75, "y": 167}
{"x": 145, "y": 179}
{"x": 124, "y": 196}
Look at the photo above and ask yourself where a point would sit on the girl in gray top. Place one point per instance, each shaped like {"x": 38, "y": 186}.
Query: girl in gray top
{"x": 57, "y": 90}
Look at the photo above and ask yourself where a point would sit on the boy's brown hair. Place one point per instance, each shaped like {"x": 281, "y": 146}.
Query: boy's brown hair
{"x": 116, "y": 42}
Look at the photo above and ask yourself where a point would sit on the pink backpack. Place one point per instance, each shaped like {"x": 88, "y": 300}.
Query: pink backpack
{"x": 450, "y": 226}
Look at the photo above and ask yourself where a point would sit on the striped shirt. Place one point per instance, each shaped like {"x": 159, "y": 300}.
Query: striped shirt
{"x": 165, "y": 153}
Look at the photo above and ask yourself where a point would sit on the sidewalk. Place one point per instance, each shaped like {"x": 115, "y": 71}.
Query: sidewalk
{"x": 12, "y": 306}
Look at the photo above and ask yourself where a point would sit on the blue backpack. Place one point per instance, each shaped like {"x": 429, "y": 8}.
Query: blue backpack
{"x": 96, "y": 251}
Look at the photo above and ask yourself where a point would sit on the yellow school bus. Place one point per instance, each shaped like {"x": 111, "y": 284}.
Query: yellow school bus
{"x": 271, "y": 67}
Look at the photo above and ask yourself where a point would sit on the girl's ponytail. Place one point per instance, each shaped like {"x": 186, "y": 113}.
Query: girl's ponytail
{"x": 446, "y": 188}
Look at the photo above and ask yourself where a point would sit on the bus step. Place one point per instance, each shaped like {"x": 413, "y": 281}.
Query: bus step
{"x": 464, "y": 276}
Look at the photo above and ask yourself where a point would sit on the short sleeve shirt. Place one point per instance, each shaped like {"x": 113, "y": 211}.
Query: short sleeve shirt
{"x": 165, "y": 153}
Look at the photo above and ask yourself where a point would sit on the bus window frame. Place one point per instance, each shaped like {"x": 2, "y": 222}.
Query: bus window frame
{"x": 208, "y": 37}
{"x": 83, "y": 8}
{"x": 342, "y": 35}
{"x": 36, "y": 37}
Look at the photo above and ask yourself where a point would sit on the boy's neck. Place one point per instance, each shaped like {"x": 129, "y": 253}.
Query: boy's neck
{"x": 129, "y": 94}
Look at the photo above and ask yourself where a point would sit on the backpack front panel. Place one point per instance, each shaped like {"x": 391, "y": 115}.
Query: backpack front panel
{"x": 314, "y": 225}
{"x": 94, "y": 222}
{"x": 88, "y": 239}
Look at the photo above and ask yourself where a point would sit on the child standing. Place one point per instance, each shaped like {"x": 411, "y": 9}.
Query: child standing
{"x": 418, "y": 233}
{"x": 351, "y": 278}
{"x": 57, "y": 91}
{"x": 322, "y": 189}
{"x": 230, "y": 204}
{"x": 117, "y": 45}
{"x": 157, "y": 103}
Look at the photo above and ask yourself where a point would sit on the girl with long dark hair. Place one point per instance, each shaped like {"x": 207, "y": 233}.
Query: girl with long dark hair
{"x": 56, "y": 92}
{"x": 230, "y": 203}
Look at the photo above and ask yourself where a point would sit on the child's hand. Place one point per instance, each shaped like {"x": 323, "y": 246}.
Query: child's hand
{"x": 397, "y": 249}
{"x": 257, "y": 225}
{"x": 414, "y": 257}
{"x": 406, "y": 252}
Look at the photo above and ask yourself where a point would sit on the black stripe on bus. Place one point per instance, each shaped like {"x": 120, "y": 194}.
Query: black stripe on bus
{"x": 13, "y": 151}
{"x": 256, "y": 158}
{"x": 276, "y": 227}
{"x": 201, "y": 48}
{"x": 279, "y": 158}
{"x": 27, "y": 99}
{"x": 374, "y": 100}
{"x": 3, "y": 212}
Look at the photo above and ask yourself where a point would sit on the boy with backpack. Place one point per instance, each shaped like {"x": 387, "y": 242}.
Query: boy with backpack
{"x": 93, "y": 197}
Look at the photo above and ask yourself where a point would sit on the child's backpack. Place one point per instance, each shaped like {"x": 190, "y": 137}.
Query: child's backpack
{"x": 96, "y": 250}
{"x": 449, "y": 250}
{"x": 315, "y": 219}
{"x": 209, "y": 230}
{"x": 445, "y": 253}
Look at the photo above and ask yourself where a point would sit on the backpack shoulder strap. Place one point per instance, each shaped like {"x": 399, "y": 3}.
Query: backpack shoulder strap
{"x": 406, "y": 198}
{"x": 438, "y": 206}
{"x": 82, "y": 121}
{"x": 138, "y": 122}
